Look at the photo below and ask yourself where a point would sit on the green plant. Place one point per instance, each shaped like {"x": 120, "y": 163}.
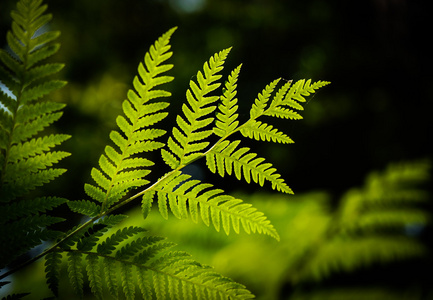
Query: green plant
{"x": 128, "y": 257}
{"x": 368, "y": 245}
{"x": 374, "y": 224}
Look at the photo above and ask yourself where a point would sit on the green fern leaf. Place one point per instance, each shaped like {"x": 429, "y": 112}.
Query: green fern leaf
{"x": 264, "y": 132}
{"x": 22, "y": 151}
{"x": 25, "y": 183}
{"x": 128, "y": 258}
{"x": 121, "y": 170}
{"x": 91, "y": 236}
{"x": 108, "y": 246}
{"x": 126, "y": 277}
{"x": 110, "y": 276}
{"x": 75, "y": 272}
{"x": 18, "y": 209}
{"x": 27, "y": 162}
{"x": 287, "y": 99}
{"x": 184, "y": 195}
{"x": 53, "y": 261}
{"x": 144, "y": 283}
{"x": 259, "y": 105}
{"x": 22, "y": 133}
{"x": 42, "y": 53}
{"x": 225, "y": 158}
{"x": 37, "y": 92}
{"x": 185, "y": 143}
{"x": 85, "y": 207}
{"x": 226, "y": 117}
{"x": 94, "y": 275}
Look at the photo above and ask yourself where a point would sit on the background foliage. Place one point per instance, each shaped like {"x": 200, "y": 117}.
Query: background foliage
{"x": 375, "y": 53}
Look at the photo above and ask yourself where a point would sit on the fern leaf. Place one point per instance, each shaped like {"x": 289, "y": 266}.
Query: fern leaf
{"x": 185, "y": 143}
{"x": 159, "y": 285}
{"x": 22, "y": 133}
{"x": 259, "y": 105}
{"x": 52, "y": 266}
{"x": 27, "y": 162}
{"x": 108, "y": 246}
{"x": 94, "y": 275}
{"x": 227, "y": 117}
{"x": 110, "y": 275}
{"x": 42, "y": 53}
{"x": 18, "y": 209}
{"x": 284, "y": 104}
{"x": 120, "y": 169}
{"x": 183, "y": 195}
{"x": 225, "y": 158}
{"x": 37, "y": 92}
{"x": 264, "y": 132}
{"x": 127, "y": 258}
{"x": 85, "y": 207}
{"x": 126, "y": 277}
{"x": 91, "y": 236}
{"x": 25, "y": 183}
{"x": 75, "y": 272}
{"x": 34, "y": 147}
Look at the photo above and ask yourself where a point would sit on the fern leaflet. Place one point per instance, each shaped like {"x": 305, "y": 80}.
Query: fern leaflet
{"x": 226, "y": 122}
{"x": 186, "y": 143}
{"x": 184, "y": 195}
{"x": 122, "y": 169}
{"x": 226, "y": 158}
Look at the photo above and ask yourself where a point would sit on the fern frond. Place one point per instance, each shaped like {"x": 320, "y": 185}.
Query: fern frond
{"x": 368, "y": 230}
{"x": 183, "y": 195}
{"x": 186, "y": 143}
{"x": 120, "y": 169}
{"x": 226, "y": 122}
{"x": 226, "y": 158}
{"x": 127, "y": 258}
{"x": 27, "y": 162}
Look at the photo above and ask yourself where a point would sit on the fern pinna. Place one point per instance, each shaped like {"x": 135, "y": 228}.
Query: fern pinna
{"x": 26, "y": 156}
{"x": 99, "y": 252}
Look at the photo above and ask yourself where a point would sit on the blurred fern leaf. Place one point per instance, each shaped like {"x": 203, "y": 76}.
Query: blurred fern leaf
{"x": 27, "y": 158}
